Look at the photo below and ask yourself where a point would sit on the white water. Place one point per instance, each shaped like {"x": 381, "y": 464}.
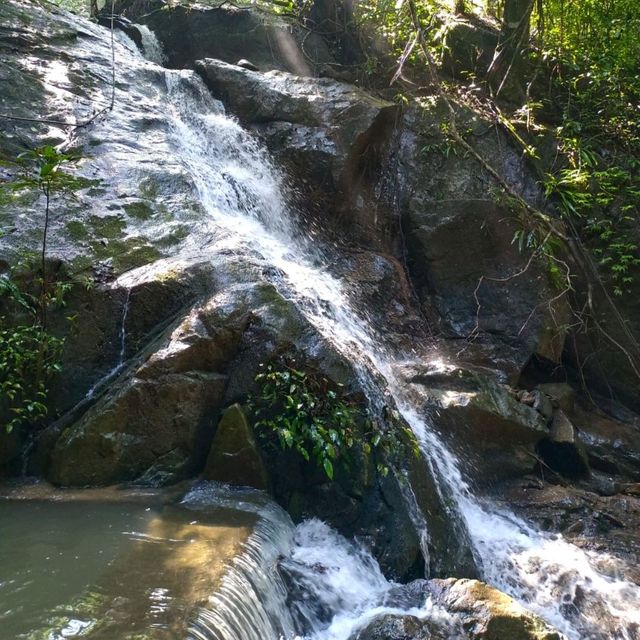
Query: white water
{"x": 150, "y": 45}
{"x": 251, "y": 601}
{"x": 244, "y": 197}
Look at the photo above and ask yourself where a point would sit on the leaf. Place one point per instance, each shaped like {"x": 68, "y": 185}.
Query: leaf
{"x": 328, "y": 468}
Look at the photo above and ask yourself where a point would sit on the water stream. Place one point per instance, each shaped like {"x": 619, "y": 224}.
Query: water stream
{"x": 243, "y": 194}
{"x": 307, "y": 580}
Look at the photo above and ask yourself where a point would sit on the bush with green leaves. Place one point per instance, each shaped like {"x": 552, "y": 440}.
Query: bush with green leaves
{"x": 29, "y": 357}
{"x": 312, "y": 415}
{"x": 45, "y": 170}
{"x": 29, "y": 354}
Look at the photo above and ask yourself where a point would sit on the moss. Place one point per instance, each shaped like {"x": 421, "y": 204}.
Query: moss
{"x": 110, "y": 227}
{"x": 76, "y": 230}
{"x": 175, "y": 236}
{"x": 139, "y": 210}
{"x": 137, "y": 257}
{"x": 149, "y": 188}
{"x": 79, "y": 265}
{"x": 126, "y": 254}
{"x": 96, "y": 191}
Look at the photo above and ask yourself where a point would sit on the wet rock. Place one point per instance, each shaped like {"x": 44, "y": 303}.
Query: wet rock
{"x": 453, "y": 608}
{"x": 165, "y": 405}
{"x": 481, "y": 417}
{"x": 330, "y": 117}
{"x": 401, "y": 627}
{"x": 449, "y": 544}
{"x": 489, "y": 614}
{"x": 612, "y": 446}
{"x": 359, "y": 503}
{"x": 491, "y": 292}
{"x": 234, "y": 457}
{"x": 229, "y": 33}
{"x": 442, "y": 196}
{"x": 593, "y": 516}
{"x": 330, "y": 136}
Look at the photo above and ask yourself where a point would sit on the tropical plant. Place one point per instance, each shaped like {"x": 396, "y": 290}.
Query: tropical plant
{"x": 29, "y": 354}
{"x": 29, "y": 357}
{"x": 45, "y": 170}
{"x": 312, "y": 415}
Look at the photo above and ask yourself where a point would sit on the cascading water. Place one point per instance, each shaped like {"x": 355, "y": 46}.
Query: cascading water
{"x": 251, "y": 602}
{"x": 244, "y": 198}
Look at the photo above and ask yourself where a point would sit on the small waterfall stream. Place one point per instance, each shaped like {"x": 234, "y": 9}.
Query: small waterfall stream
{"x": 245, "y": 201}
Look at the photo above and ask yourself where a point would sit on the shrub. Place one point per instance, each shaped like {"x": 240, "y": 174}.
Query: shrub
{"x": 311, "y": 414}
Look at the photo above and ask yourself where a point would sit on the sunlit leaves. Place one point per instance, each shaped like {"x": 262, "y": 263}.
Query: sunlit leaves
{"x": 309, "y": 414}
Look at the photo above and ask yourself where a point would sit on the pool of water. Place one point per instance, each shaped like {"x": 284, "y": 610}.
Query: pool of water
{"x": 110, "y": 565}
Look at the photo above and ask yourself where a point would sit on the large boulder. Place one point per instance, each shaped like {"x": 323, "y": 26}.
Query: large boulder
{"x": 188, "y": 32}
{"x": 464, "y": 609}
{"x": 496, "y": 290}
{"x": 158, "y": 417}
{"x": 489, "y": 614}
{"x": 612, "y": 446}
{"x": 492, "y": 431}
{"x": 234, "y": 457}
{"x": 331, "y": 136}
{"x": 461, "y": 235}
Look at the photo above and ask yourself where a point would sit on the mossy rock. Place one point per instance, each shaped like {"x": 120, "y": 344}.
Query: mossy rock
{"x": 235, "y": 457}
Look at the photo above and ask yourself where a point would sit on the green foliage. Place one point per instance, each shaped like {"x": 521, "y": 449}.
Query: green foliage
{"x": 601, "y": 194}
{"x": 312, "y": 415}
{"x": 45, "y": 169}
{"x": 389, "y": 27}
{"x": 594, "y": 49}
{"x": 29, "y": 354}
{"x": 593, "y": 29}
{"x": 29, "y": 357}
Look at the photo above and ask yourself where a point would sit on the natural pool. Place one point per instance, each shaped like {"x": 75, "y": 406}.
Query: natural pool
{"x": 109, "y": 564}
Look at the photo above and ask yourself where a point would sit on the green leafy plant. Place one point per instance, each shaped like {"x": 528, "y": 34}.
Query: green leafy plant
{"x": 29, "y": 357}
{"x": 29, "y": 354}
{"x": 45, "y": 169}
{"x": 313, "y": 416}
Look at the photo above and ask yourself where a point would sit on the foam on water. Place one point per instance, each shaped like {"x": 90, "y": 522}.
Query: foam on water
{"x": 245, "y": 199}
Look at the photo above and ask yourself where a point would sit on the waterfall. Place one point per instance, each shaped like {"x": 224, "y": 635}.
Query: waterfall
{"x": 251, "y": 602}
{"x": 123, "y": 329}
{"x": 150, "y": 45}
{"x": 245, "y": 200}
{"x": 119, "y": 366}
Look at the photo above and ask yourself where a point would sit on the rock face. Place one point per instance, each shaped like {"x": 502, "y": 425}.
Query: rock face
{"x": 230, "y": 33}
{"x": 490, "y": 292}
{"x": 331, "y": 136}
{"x": 466, "y": 609}
{"x": 470, "y": 276}
{"x": 234, "y": 457}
